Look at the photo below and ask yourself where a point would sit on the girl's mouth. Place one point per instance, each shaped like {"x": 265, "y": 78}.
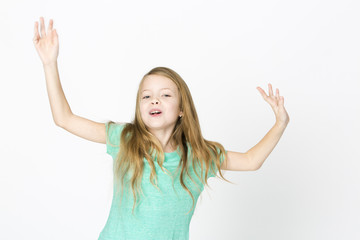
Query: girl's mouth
{"x": 155, "y": 113}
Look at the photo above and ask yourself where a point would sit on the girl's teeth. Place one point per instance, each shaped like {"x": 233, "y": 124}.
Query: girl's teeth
{"x": 152, "y": 113}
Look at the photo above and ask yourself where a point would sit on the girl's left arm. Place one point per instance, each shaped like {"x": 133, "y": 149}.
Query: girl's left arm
{"x": 259, "y": 153}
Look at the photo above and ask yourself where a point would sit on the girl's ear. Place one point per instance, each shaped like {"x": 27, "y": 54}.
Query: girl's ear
{"x": 180, "y": 114}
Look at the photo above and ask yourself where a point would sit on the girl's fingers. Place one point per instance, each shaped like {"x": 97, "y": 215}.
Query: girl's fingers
{"x": 50, "y": 26}
{"x": 42, "y": 27}
{"x": 35, "y": 29}
{"x": 262, "y": 92}
{"x": 274, "y": 101}
{"x": 36, "y": 32}
{"x": 277, "y": 97}
{"x": 270, "y": 90}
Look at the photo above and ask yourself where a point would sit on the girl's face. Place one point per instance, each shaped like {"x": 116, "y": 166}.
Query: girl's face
{"x": 159, "y": 94}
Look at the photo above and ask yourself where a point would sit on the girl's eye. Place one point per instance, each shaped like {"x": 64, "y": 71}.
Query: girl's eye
{"x": 166, "y": 95}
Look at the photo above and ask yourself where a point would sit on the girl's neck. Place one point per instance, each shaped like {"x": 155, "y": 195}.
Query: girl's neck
{"x": 170, "y": 148}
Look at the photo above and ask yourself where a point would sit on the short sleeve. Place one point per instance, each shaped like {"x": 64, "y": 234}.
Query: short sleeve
{"x": 222, "y": 158}
{"x": 113, "y": 133}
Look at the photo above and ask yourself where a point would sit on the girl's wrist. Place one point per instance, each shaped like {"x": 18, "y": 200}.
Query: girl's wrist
{"x": 52, "y": 63}
{"x": 281, "y": 124}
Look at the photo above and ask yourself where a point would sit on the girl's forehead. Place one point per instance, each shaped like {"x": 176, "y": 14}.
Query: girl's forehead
{"x": 156, "y": 82}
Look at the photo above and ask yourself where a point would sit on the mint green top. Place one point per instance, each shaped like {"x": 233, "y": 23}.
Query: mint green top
{"x": 158, "y": 215}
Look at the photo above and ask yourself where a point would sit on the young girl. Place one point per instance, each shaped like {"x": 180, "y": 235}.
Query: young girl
{"x": 161, "y": 160}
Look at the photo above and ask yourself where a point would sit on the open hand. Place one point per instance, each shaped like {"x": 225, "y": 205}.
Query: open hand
{"x": 277, "y": 104}
{"x": 47, "y": 45}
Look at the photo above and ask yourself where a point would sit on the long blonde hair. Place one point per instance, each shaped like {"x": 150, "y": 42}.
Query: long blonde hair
{"x": 136, "y": 142}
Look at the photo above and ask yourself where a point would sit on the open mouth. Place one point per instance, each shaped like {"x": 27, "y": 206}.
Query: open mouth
{"x": 155, "y": 113}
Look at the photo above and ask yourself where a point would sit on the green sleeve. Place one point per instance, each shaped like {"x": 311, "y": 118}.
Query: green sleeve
{"x": 222, "y": 158}
{"x": 113, "y": 133}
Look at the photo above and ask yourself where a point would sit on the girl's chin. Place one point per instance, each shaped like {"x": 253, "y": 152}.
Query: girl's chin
{"x": 159, "y": 125}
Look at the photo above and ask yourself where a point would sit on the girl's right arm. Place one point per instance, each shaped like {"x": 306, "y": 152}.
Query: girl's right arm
{"x": 47, "y": 47}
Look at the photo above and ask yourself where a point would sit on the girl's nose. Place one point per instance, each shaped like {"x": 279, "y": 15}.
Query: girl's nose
{"x": 155, "y": 101}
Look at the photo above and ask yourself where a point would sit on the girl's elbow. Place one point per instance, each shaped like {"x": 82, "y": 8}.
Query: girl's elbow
{"x": 257, "y": 167}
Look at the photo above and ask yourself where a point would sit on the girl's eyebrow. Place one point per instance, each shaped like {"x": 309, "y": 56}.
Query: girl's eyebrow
{"x": 160, "y": 89}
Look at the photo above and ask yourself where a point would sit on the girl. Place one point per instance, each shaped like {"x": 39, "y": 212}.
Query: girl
{"x": 161, "y": 161}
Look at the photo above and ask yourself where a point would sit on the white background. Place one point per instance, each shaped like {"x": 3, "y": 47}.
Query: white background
{"x": 55, "y": 185}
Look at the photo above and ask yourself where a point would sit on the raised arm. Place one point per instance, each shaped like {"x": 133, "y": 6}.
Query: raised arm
{"x": 47, "y": 47}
